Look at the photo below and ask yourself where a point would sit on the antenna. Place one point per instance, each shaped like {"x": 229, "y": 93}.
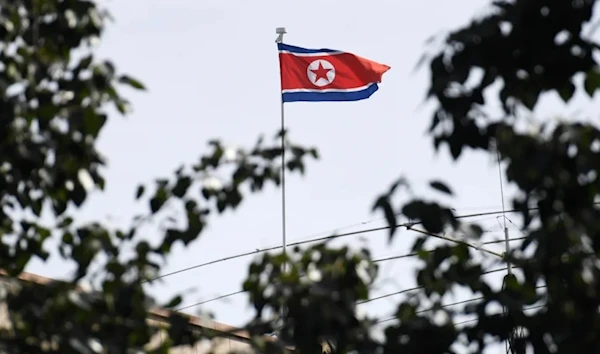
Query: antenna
{"x": 511, "y": 341}
{"x": 506, "y": 241}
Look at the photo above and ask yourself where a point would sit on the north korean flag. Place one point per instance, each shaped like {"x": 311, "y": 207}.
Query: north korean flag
{"x": 317, "y": 75}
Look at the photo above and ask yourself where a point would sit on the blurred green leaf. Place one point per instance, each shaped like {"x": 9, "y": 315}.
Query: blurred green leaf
{"x": 128, "y": 80}
{"x": 592, "y": 81}
{"x": 384, "y": 204}
{"x": 139, "y": 192}
{"x": 159, "y": 199}
{"x": 440, "y": 187}
{"x": 174, "y": 302}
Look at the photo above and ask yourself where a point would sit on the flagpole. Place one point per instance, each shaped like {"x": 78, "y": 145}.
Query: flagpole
{"x": 280, "y": 32}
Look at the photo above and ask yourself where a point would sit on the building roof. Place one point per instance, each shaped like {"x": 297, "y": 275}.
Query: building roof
{"x": 157, "y": 313}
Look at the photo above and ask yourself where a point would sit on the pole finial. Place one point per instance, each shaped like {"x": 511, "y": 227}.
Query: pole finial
{"x": 280, "y": 32}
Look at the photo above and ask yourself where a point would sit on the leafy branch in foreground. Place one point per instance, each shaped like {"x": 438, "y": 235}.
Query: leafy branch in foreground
{"x": 54, "y": 98}
{"x": 121, "y": 304}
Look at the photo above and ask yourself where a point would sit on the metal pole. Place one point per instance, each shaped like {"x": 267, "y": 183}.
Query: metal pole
{"x": 510, "y": 340}
{"x": 506, "y": 241}
{"x": 280, "y": 32}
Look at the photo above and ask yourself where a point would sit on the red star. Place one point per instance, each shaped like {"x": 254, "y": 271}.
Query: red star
{"x": 321, "y": 72}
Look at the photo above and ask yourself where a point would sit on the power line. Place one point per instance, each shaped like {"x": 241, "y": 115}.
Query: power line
{"x": 417, "y": 288}
{"x": 358, "y": 303}
{"x": 407, "y": 225}
{"x": 453, "y": 303}
{"x": 499, "y": 314}
{"x": 416, "y": 253}
{"x": 408, "y": 255}
{"x": 459, "y": 241}
{"x": 397, "y": 293}
{"x": 210, "y": 300}
{"x": 326, "y": 238}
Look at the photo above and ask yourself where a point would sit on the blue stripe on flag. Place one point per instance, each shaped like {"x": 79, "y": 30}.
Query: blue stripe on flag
{"x": 294, "y": 49}
{"x": 330, "y": 96}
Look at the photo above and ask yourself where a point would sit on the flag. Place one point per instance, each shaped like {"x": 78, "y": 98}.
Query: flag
{"x": 318, "y": 75}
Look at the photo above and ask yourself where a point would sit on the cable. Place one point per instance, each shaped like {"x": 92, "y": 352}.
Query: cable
{"x": 382, "y": 297}
{"x": 210, "y": 300}
{"x": 331, "y": 237}
{"x": 416, "y": 254}
{"x": 466, "y": 243}
{"x": 454, "y": 303}
{"x": 408, "y": 255}
{"x": 499, "y": 314}
{"x": 416, "y": 288}
{"x": 507, "y": 246}
{"x": 358, "y": 303}
{"x": 503, "y": 212}
{"x": 388, "y": 295}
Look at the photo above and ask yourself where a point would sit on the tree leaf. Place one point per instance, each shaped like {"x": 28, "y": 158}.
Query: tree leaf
{"x": 174, "y": 302}
{"x": 158, "y": 200}
{"x": 383, "y": 203}
{"x": 128, "y": 80}
{"x": 440, "y": 187}
{"x": 592, "y": 81}
{"x": 567, "y": 92}
{"x": 182, "y": 186}
{"x": 530, "y": 99}
{"x": 93, "y": 122}
{"x": 139, "y": 192}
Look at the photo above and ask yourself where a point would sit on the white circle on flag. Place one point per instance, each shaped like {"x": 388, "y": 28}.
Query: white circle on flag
{"x": 320, "y": 72}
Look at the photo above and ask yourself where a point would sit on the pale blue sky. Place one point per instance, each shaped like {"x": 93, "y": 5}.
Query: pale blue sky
{"x": 212, "y": 71}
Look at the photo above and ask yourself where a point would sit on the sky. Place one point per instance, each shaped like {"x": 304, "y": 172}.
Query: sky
{"x": 211, "y": 69}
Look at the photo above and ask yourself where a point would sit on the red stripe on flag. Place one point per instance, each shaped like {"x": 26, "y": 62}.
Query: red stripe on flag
{"x": 351, "y": 71}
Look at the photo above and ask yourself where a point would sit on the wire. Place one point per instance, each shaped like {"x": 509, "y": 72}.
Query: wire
{"x": 416, "y": 253}
{"x": 501, "y": 187}
{"x": 499, "y": 314}
{"x": 451, "y": 239}
{"x": 503, "y": 212}
{"x": 392, "y": 294}
{"x": 403, "y": 291}
{"x": 358, "y": 303}
{"x": 210, "y": 300}
{"x": 326, "y": 238}
{"x": 408, "y": 255}
{"x": 416, "y": 288}
{"x": 454, "y": 303}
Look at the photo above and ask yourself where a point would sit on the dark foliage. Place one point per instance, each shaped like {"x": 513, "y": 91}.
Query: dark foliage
{"x": 54, "y": 96}
{"x": 53, "y": 106}
{"x": 551, "y": 303}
